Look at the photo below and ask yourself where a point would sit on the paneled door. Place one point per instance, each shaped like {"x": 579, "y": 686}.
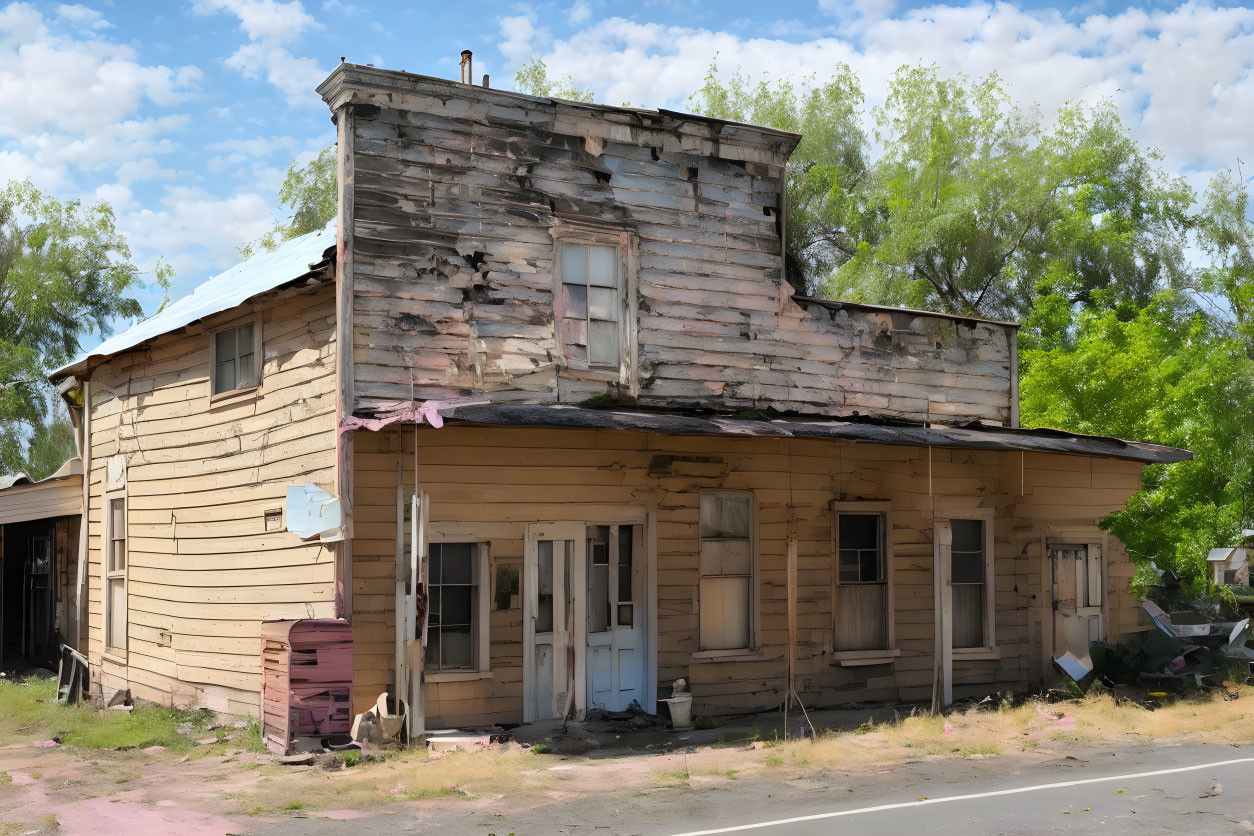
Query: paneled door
{"x": 615, "y": 617}
{"x": 1078, "y": 586}
{"x": 552, "y": 565}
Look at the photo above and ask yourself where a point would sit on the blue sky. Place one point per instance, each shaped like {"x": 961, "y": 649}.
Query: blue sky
{"x": 184, "y": 114}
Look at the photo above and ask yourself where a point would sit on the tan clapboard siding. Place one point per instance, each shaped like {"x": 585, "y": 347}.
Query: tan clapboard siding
{"x": 502, "y": 478}
{"x": 203, "y": 570}
{"x": 454, "y": 205}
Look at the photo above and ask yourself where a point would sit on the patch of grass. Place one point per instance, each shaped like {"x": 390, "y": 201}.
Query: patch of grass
{"x": 671, "y": 777}
{"x": 251, "y": 740}
{"x": 6, "y": 778}
{"x": 540, "y": 749}
{"x": 703, "y": 723}
{"x": 29, "y": 711}
{"x": 865, "y": 728}
{"x": 293, "y": 805}
{"x": 774, "y": 761}
{"x": 979, "y": 749}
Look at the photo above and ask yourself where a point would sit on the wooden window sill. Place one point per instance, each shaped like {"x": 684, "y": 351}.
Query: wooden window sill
{"x": 977, "y": 654}
{"x": 235, "y": 394}
{"x": 117, "y": 657}
{"x": 742, "y": 655}
{"x": 456, "y": 676}
{"x": 855, "y": 658}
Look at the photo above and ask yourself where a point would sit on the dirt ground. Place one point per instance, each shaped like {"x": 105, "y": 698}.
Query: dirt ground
{"x": 227, "y": 787}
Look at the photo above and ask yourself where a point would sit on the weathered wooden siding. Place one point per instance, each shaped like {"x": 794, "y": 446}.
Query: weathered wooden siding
{"x": 502, "y": 478}
{"x": 457, "y": 191}
{"x": 203, "y": 570}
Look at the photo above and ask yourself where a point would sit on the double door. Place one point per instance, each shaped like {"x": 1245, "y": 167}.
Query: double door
{"x": 583, "y": 619}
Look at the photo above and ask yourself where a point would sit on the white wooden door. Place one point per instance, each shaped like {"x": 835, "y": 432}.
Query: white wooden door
{"x": 615, "y": 617}
{"x": 552, "y": 565}
{"x": 1078, "y": 587}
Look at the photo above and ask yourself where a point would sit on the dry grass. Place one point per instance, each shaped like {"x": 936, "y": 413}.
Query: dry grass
{"x": 1203, "y": 717}
{"x": 404, "y": 776}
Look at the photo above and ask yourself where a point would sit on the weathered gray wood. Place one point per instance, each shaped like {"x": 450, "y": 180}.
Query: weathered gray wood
{"x": 456, "y": 194}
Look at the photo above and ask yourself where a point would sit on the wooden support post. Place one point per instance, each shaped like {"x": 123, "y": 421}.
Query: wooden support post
{"x": 344, "y": 365}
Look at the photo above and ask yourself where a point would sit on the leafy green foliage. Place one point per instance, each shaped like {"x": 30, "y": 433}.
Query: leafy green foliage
{"x": 311, "y": 193}
{"x": 65, "y": 273}
{"x": 533, "y": 79}
{"x": 1162, "y": 374}
{"x": 962, "y": 201}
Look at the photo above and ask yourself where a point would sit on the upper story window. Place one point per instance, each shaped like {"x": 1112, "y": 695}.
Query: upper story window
{"x": 593, "y": 311}
{"x": 233, "y": 360}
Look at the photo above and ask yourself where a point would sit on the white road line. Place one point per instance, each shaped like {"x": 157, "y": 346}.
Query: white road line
{"x": 994, "y": 793}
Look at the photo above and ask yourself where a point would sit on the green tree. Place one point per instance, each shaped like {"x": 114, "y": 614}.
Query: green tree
{"x": 966, "y": 202}
{"x": 533, "y": 79}
{"x": 311, "y": 194}
{"x": 1226, "y": 235}
{"x": 65, "y": 273}
{"x": 1162, "y": 374}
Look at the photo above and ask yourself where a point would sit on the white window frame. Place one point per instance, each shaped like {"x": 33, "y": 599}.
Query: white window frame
{"x": 988, "y": 517}
{"x": 583, "y": 233}
{"x": 258, "y": 342}
{"x": 885, "y": 512}
{"x": 753, "y": 651}
{"x": 111, "y": 574}
{"x": 482, "y": 572}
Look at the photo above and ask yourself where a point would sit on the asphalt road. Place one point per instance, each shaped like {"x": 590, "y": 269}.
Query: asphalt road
{"x": 1143, "y": 789}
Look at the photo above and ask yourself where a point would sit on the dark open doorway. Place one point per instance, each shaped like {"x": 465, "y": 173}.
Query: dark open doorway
{"x": 29, "y": 595}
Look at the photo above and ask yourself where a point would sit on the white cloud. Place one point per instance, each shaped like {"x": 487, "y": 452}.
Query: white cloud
{"x": 270, "y": 27}
{"x": 82, "y": 17}
{"x": 263, "y": 20}
{"x": 520, "y": 37}
{"x": 197, "y": 232}
{"x": 1181, "y": 77}
{"x": 295, "y": 77}
{"x": 100, "y": 90}
{"x": 580, "y": 12}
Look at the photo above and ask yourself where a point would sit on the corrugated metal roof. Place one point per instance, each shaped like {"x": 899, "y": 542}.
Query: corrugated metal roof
{"x": 72, "y": 467}
{"x": 262, "y": 272}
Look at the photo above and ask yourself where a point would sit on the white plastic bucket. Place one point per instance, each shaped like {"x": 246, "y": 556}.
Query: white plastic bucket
{"x": 681, "y": 711}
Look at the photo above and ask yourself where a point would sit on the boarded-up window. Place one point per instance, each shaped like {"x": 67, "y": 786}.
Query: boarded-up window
{"x": 726, "y": 570}
{"x": 453, "y": 618}
{"x": 967, "y": 577}
{"x": 862, "y": 610}
{"x": 115, "y": 576}
{"x": 234, "y": 358}
{"x": 589, "y": 307}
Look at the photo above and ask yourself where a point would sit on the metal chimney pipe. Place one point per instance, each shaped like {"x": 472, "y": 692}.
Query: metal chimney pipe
{"x": 467, "y": 76}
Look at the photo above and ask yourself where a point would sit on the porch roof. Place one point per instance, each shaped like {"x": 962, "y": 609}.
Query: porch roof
{"x": 59, "y": 495}
{"x": 968, "y": 437}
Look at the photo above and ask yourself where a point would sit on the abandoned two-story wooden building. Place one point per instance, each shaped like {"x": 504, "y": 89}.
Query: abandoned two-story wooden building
{"x": 573, "y": 430}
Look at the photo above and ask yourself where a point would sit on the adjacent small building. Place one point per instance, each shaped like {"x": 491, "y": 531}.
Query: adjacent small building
{"x": 582, "y": 438}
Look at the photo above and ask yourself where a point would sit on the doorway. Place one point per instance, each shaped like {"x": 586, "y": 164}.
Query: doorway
{"x": 583, "y": 619}
{"x": 29, "y": 605}
{"x": 1078, "y": 589}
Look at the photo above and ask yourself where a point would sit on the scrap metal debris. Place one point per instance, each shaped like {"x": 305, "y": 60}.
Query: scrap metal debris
{"x": 1185, "y": 646}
